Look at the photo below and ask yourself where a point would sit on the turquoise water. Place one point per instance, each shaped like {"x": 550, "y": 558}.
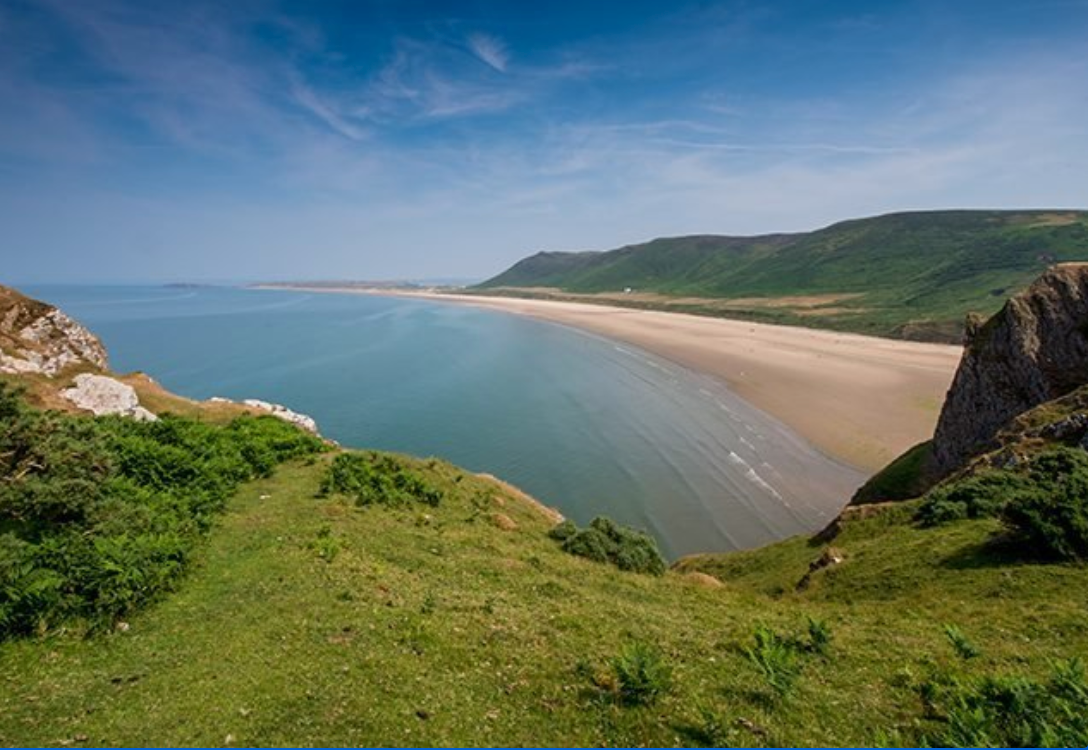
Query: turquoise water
{"x": 584, "y": 424}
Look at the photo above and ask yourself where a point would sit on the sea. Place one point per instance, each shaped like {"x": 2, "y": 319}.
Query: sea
{"x": 587, "y": 425}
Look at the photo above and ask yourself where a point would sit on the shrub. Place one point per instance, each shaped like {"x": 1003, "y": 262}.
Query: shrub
{"x": 776, "y": 658}
{"x": 325, "y": 544}
{"x": 641, "y": 674}
{"x": 715, "y": 729}
{"x": 1009, "y": 711}
{"x": 606, "y": 541}
{"x": 819, "y": 636}
{"x": 377, "y": 479}
{"x": 563, "y": 530}
{"x": 1053, "y": 520}
{"x": 1044, "y": 506}
{"x": 961, "y": 644}
{"x": 100, "y": 515}
{"x": 980, "y": 496}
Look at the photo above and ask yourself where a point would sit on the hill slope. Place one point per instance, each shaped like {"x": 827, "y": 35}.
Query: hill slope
{"x": 910, "y": 275}
{"x": 312, "y": 621}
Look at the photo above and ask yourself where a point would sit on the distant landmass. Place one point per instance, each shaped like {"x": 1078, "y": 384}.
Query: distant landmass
{"x": 905, "y": 275}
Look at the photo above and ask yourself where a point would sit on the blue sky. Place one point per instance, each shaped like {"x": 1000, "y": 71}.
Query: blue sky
{"x": 263, "y": 140}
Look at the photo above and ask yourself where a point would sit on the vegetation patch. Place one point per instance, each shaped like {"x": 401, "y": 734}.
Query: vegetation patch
{"x": 1007, "y": 711}
{"x": 902, "y": 479}
{"x": 1043, "y": 506}
{"x": 608, "y": 542}
{"x": 641, "y": 674}
{"x": 780, "y": 658}
{"x": 372, "y": 478}
{"x": 100, "y": 515}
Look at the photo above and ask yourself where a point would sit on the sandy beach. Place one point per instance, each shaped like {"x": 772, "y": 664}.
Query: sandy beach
{"x": 861, "y": 399}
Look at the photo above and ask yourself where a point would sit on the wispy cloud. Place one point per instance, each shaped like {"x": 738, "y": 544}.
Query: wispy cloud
{"x": 306, "y": 97}
{"x": 490, "y": 50}
{"x": 426, "y": 79}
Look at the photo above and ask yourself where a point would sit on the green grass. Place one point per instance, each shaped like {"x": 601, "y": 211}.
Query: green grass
{"x": 914, "y": 275}
{"x": 310, "y": 620}
{"x": 902, "y": 479}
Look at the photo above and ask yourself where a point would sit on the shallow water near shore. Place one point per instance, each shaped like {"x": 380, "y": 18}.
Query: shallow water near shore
{"x": 586, "y": 425}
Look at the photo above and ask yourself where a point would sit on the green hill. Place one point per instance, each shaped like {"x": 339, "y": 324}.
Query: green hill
{"x": 910, "y": 275}
{"x": 407, "y": 602}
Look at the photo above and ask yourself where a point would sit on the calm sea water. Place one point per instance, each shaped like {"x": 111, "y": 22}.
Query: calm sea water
{"x": 586, "y": 425}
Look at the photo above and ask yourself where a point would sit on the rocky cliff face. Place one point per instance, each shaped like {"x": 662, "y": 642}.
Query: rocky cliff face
{"x": 1034, "y": 350}
{"x": 39, "y": 338}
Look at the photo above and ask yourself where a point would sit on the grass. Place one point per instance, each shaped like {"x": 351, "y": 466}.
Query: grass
{"x": 312, "y": 620}
{"x": 907, "y": 275}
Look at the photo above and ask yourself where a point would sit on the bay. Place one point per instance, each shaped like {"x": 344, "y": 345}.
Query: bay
{"x": 586, "y": 425}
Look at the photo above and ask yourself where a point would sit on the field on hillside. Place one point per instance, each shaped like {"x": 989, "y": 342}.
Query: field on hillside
{"x": 310, "y": 620}
{"x": 908, "y": 275}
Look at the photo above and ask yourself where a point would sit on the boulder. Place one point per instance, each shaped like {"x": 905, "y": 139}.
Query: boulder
{"x": 100, "y": 394}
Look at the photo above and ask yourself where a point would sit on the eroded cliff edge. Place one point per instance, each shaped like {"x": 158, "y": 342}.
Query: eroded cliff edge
{"x": 1033, "y": 350}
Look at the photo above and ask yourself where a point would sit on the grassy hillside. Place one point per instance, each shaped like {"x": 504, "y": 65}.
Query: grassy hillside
{"x": 427, "y": 605}
{"x": 911, "y": 275}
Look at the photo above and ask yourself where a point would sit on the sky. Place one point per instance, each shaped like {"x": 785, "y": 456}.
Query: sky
{"x": 195, "y": 141}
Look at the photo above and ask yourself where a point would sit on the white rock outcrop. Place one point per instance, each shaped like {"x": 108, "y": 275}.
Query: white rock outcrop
{"x": 304, "y": 421}
{"x": 42, "y": 339}
{"x": 100, "y": 394}
{"x": 278, "y": 410}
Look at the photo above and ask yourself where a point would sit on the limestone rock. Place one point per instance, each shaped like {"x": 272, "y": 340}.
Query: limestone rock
{"x": 278, "y": 410}
{"x": 100, "y": 394}
{"x": 1034, "y": 350}
{"x": 1067, "y": 428}
{"x": 39, "y": 338}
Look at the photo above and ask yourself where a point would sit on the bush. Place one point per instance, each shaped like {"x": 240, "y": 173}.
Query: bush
{"x": 819, "y": 637}
{"x": 961, "y": 644}
{"x": 1009, "y": 711}
{"x": 777, "y": 658}
{"x": 100, "y": 515}
{"x": 606, "y": 541}
{"x": 641, "y": 674}
{"x": 1052, "y": 521}
{"x": 563, "y": 530}
{"x": 1044, "y": 506}
{"x": 981, "y": 496}
{"x": 377, "y": 479}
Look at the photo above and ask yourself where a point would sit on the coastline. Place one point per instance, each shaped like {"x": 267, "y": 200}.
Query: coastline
{"x": 862, "y": 400}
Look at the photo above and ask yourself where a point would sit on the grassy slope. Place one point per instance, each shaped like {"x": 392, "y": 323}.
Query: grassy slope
{"x": 445, "y": 629}
{"x": 917, "y": 274}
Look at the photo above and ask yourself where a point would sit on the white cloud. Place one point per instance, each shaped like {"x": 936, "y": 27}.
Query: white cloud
{"x": 490, "y": 50}
{"x": 305, "y": 96}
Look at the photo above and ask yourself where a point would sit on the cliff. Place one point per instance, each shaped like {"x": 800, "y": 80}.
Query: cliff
{"x": 38, "y": 338}
{"x": 1035, "y": 349}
